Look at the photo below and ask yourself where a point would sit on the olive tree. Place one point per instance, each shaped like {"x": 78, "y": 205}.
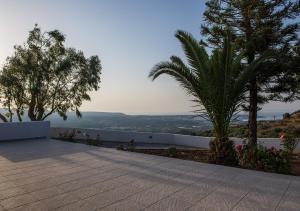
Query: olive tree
{"x": 43, "y": 77}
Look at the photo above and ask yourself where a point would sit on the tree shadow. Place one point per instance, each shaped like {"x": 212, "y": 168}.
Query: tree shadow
{"x": 26, "y": 150}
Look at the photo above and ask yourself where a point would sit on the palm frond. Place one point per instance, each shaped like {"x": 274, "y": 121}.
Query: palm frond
{"x": 217, "y": 82}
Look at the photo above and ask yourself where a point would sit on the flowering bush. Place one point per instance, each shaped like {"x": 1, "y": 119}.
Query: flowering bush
{"x": 261, "y": 158}
{"x": 289, "y": 142}
{"x": 238, "y": 147}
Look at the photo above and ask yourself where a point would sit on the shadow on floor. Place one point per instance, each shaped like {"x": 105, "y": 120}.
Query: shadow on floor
{"x": 25, "y": 150}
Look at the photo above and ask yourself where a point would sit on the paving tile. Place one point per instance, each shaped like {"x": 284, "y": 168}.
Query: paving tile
{"x": 7, "y": 185}
{"x": 100, "y": 200}
{"x": 148, "y": 197}
{"x": 2, "y": 208}
{"x": 47, "y": 193}
{"x": 289, "y": 205}
{"x": 217, "y": 201}
{"x": 124, "y": 205}
{"x": 37, "y": 206}
{"x": 57, "y": 201}
{"x": 88, "y": 181}
{"x": 95, "y": 189}
{"x": 192, "y": 194}
{"x": 18, "y": 201}
{"x": 169, "y": 204}
{"x": 11, "y": 192}
{"x": 35, "y": 186}
{"x": 55, "y": 175}
{"x": 290, "y": 200}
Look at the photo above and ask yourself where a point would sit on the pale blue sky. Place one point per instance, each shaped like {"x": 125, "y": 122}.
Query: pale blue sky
{"x": 129, "y": 36}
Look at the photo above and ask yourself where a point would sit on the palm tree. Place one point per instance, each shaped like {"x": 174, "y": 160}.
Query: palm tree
{"x": 217, "y": 83}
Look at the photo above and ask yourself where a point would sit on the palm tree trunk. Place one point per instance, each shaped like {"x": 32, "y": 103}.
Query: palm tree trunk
{"x": 252, "y": 121}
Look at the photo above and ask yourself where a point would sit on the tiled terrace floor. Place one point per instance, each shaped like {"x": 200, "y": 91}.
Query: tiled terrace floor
{"x": 55, "y": 175}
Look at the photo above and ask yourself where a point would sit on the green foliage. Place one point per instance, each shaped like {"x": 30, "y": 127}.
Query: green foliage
{"x": 238, "y": 131}
{"x": 260, "y": 158}
{"x": 217, "y": 82}
{"x": 260, "y": 26}
{"x": 120, "y": 147}
{"x": 289, "y": 141}
{"x": 92, "y": 142}
{"x": 68, "y": 135}
{"x": 43, "y": 77}
{"x": 172, "y": 151}
{"x": 131, "y": 146}
{"x": 277, "y": 130}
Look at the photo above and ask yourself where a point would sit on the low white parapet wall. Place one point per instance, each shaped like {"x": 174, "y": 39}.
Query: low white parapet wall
{"x": 148, "y": 137}
{"x": 24, "y": 130}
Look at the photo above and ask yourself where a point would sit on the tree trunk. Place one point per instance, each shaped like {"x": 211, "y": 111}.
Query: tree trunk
{"x": 3, "y": 118}
{"x": 252, "y": 121}
{"x": 40, "y": 113}
{"x": 31, "y": 114}
{"x": 19, "y": 116}
{"x": 222, "y": 151}
{"x": 32, "y": 104}
{"x": 10, "y": 114}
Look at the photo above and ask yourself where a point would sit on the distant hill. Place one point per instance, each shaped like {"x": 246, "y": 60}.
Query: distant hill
{"x": 182, "y": 124}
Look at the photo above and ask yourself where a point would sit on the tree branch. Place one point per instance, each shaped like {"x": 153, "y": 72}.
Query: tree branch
{"x": 3, "y": 118}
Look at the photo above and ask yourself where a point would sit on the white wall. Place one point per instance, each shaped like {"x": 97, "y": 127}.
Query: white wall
{"x": 146, "y": 137}
{"x": 24, "y": 130}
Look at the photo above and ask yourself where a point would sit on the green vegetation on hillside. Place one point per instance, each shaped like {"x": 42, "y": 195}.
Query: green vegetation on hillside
{"x": 266, "y": 129}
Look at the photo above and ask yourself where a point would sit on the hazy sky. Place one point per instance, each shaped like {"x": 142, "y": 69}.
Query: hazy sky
{"x": 129, "y": 36}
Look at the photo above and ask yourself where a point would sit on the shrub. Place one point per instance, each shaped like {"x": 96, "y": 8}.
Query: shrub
{"x": 120, "y": 147}
{"x": 286, "y": 116}
{"x": 68, "y": 135}
{"x": 172, "y": 151}
{"x": 264, "y": 127}
{"x": 290, "y": 129}
{"x": 131, "y": 145}
{"x": 277, "y": 130}
{"x": 260, "y": 158}
{"x": 131, "y": 148}
{"x": 92, "y": 142}
{"x": 289, "y": 142}
{"x": 88, "y": 140}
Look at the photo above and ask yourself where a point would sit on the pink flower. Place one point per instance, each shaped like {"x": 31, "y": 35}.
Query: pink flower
{"x": 282, "y": 136}
{"x": 238, "y": 147}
